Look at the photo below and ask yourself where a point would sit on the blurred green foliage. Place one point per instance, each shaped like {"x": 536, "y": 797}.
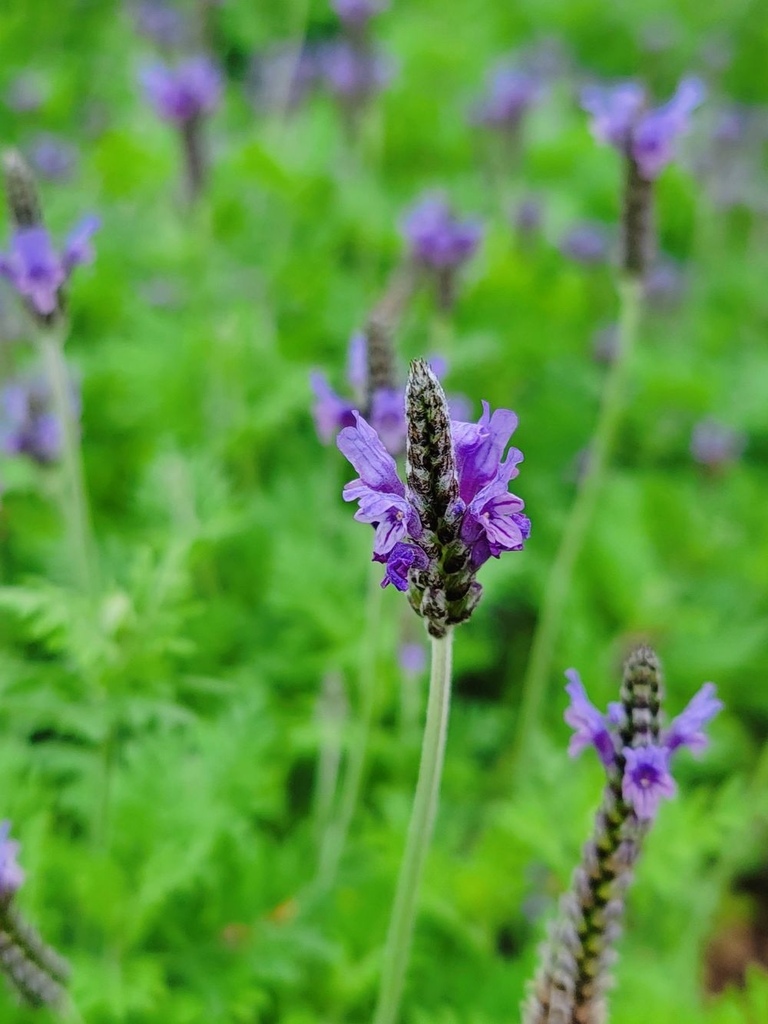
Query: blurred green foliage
{"x": 159, "y": 750}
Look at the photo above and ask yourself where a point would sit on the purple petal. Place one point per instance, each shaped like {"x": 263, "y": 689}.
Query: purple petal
{"x": 687, "y": 729}
{"x": 362, "y": 446}
{"x": 77, "y": 247}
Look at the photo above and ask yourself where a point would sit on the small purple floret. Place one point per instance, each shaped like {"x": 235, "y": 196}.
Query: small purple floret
{"x": 687, "y": 729}
{"x": 586, "y": 243}
{"x": 353, "y": 74}
{"x": 357, "y": 13}
{"x": 591, "y": 728}
{"x": 412, "y": 658}
{"x": 715, "y": 445}
{"x": 183, "y": 93}
{"x": 37, "y": 271}
{"x": 53, "y": 158}
{"x": 401, "y": 559}
{"x": 647, "y": 779}
{"x": 11, "y": 875}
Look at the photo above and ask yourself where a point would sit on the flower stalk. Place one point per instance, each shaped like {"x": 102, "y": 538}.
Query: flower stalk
{"x": 400, "y": 936}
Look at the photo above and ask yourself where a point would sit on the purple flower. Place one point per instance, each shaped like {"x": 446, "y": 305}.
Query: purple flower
{"x": 586, "y": 243}
{"x": 379, "y": 491}
{"x": 437, "y": 239}
{"x": 715, "y": 445}
{"x": 401, "y": 559}
{"x": 351, "y": 73}
{"x": 491, "y": 517}
{"x": 646, "y": 779}
{"x": 164, "y": 25}
{"x": 511, "y": 93}
{"x": 621, "y": 117}
{"x": 37, "y": 271}
{"x": 26, "y": 93}
{"x": 183, "y": 93}
{"x": 686, "y": 730}
{"x": 53, "y": 158}
{"x": 645, "y": 772}
{"x": 11, "y": 875}
{"x": 386, "y": 414}
{"x": 28, "y": 425}
{"x": 357, "y": 13}
{"x": 527, "y": 217}
{"x": 412, "y": 658}
{"x": 592, "y": 728}
{"x": 331, "y": 412}
{"x": 664, "y": 284}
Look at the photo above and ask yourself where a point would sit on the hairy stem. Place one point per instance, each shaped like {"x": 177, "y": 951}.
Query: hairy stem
{"x": 400, "y": 936}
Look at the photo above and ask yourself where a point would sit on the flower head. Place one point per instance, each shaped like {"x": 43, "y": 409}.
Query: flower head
{"x": 11, "y": 875}
{"x": 37, "y": 271}
{"x": 646, "y": 779}
{"x": 634, "y": 750}
{"x": 714, "y": 445}
{"x": 587, "y": 243}
{"x": 353, "y": 74}
{"x": 456, "y": 510}
{"x": 436, "y": 237}
{"x": 510, "y": 94}
{"x": 164, "y": 25}
{"x": 184, "y": 93}
{"x": 356, "y": 14}
{"x": 53, "y": 158}
{"x": 622, "y": 118}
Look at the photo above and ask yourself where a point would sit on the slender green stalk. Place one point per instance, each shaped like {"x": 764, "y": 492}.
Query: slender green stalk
{"x": 335, "y": 838}
{"x": 398, "y": 948}
{"x": 571, "y": 544}
{"x": 74, "y": 497}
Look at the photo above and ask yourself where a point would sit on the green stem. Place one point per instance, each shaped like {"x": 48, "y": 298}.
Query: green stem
{"x": 571, "y": 544}
{"x": 335, "y": 838}
{"x": 74, "y": 498}
{"x": 400, "y": 936}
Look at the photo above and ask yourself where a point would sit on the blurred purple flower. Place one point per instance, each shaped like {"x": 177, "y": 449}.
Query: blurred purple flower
{"x": 53, "y": 158}
{"x": 357, "y": 13}
{"x": 412, "y": 658}
{"x": 605, "y": 343}
{"x": 591, "y": 727}
{"x": 664, "y": 284}
{"x": 351, "y": 73}
{"x": 28, "y": 425}
{"x": 161, "y": 23}
{"x": 527, "y": 217}
{"x": 715, "y": 445}
{"x": 586, "y": 243}
{"x": 622, "y": 118}
{"x": 185, "y": 92}
{"x": 37, "y": 271}
{"x": 26, "y": 93}
{"x": 332, "y": 412}
{"x": 436, "y": 237}
{"x": 510, "y": 94}
{"x": 11, "y": 875}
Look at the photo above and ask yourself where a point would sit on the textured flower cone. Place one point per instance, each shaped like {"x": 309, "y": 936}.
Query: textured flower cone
{"x": 21, "y": 191}
{"x": 445, "y": 592}
{"x": 575, "y": 975}
{"x": 36, "y": 972}
{"x": 637, "y": 230}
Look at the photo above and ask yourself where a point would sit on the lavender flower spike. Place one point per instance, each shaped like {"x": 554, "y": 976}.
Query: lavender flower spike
{"x": 440, "y": 243}
{"x": 647, "y": 138}
{"x": 456, "y": 511}
{"x": 574, "y": 975}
